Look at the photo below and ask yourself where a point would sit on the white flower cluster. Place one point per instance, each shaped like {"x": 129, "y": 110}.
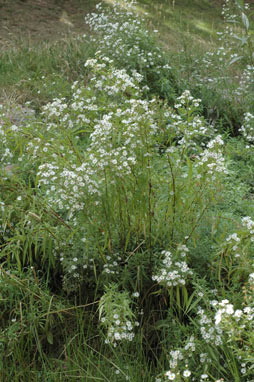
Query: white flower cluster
{"x": 104, "y": 154}
{"x": 248, "y": 223}
{"x": 210, "y": 69}
{"x": 121, "y": 33}
{"x": 251, "y": 279}
{"x": 226, "y": 323}
{"x": 237, "y": 324}
{"x": 74, "y": 257}
{"x": 226, "y": 310}
{"x": 119, "y": 330}
{"x": 118, "y": 135}
{"x": 118, "y": 138}
{"x": 116, "y": 315}
{"x": 211, "y": 161}
{"x": 34, "y": 146}
{"x": 178, "y": 362}
{"x": 230, "y": 15}
{"x": 232, "y": 34}
{"x": 116, "y": 81}
{"x": 88, "y": 101}
{"x": 76, "y": 115}
{"x": 173, "y": 272}
{"x": 246, "y": 82}
{"x": 6, "y": 154}
{"x": 234, "y": 240}
{"x": 170, "y": 376}
{"x": 111, "y": 267}
{"x": 56, "y": 108}
{"x": 204, "y": 358}
{"x": 190, "y": 128}
{"x": 175, "y": 357}
{"x": 210, "y": 332}
{"x": 186, "y": 100}
{"x": 68, "y": 188}
{"x": 247, "y": 128}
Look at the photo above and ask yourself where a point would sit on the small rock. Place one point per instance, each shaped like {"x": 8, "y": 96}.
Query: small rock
{"x": 18, "y": 114}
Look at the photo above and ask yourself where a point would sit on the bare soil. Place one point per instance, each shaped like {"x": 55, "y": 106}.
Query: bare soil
{"x": 41, "y": 20}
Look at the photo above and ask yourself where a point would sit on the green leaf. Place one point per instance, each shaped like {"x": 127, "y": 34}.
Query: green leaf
{"x": 185, "y": 296}
{"x": 235, "y": 59}
{"x": 245, "y": 21}
{"x": 192, "y": 304}
{"x": 178, "y": 298}
{"x": 50, "y": 338}
{"x": 243, "y": 40}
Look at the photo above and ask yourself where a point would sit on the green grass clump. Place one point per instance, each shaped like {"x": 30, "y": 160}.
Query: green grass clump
{"x": 33, "y": 75}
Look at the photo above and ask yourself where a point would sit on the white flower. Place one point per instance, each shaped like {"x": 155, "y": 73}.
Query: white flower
{"x": 238, "y": 313}
{"x": 117, "y": 336}
{"x": 229, "y": 309}
{"x": 186, "y": 373}
{"x": 218, "y": 317}
{"x": 171, "y": 376}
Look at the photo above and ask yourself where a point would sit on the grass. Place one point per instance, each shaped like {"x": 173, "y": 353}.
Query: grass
{"x": 22, "y": 68}
{"x": 36, "y": 76}
{"x": 29, "y": 74}
{"x": 196, "y": 20}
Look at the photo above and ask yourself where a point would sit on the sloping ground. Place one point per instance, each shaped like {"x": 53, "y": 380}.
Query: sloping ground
{"x": 178, "y": 19}
{"x": 47, "y": 20}
{"x": 41, "y": 20}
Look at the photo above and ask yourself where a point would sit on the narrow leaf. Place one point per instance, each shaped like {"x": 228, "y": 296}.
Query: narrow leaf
{"x": 50, "y": 338}
{"x": 245, "y": 21}
{"x": 235, "y": 59}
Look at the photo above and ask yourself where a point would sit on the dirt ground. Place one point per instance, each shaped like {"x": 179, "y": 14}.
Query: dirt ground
{"x": 41, "y": 20}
